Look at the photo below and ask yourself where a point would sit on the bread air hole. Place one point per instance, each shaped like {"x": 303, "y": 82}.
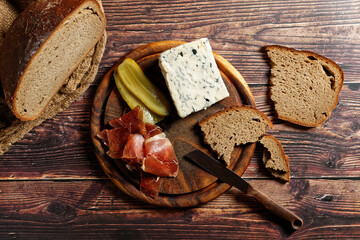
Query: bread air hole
{"x": 332, "y": 80}
{"x": 312, "y": 58}
{"x": 327, "y": 71}
{"x": 42, "y": 99}
{"x": 331, "y": 75}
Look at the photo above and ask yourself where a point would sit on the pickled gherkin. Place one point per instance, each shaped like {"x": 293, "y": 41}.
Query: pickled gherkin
{"x": 139, "y": 85}
{"x": 133, "y": 101}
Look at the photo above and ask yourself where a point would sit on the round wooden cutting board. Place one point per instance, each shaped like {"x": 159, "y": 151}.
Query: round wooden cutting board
{"x": 192, "y": 186}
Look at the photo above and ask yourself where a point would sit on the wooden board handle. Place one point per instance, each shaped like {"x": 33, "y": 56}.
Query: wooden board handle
{"x": 271, "y": 205}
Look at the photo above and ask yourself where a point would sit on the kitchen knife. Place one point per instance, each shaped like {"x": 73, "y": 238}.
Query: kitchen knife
{"x": 217, "y": 169}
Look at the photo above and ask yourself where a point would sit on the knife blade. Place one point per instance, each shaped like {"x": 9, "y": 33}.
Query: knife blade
{"x": 214, "y": 167}
{"x": 217, "y": 169}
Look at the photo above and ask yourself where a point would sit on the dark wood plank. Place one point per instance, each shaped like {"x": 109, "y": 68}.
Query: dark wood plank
{"x": 238, "y": 30}
{"x": 93, "y": 209}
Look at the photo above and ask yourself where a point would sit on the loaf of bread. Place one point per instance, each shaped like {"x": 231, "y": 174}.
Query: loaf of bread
{"x": 232, "y": 127}
{"x": 22, "y": 4}
{"x": 304, "y": 85}
{"x": 43, "y": 46}
{"x": 274, "y": 158}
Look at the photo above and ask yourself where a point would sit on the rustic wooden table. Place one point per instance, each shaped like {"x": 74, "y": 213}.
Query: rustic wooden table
{"x": 51, "y": 185}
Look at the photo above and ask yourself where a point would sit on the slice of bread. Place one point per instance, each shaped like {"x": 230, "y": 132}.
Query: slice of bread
{"x": 304, "y": 85}
{"x": 233, "y": 126}
{"x": 43, "y": 46}
{"x": 274, "y": 158}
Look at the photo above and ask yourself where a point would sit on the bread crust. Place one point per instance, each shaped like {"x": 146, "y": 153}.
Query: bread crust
{"x": 326, "y": 60}
{"x": 233, "y": 108}
{"x": 277, "y": 142}
{"x": 286, "y": 176}
{"x": 25, "y": 38}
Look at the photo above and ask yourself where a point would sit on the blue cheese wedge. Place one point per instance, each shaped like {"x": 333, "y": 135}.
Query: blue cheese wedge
{"x": 192, "y": 76}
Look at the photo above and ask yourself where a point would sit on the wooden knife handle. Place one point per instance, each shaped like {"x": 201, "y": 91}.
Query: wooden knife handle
{"x": 271, "y": 205}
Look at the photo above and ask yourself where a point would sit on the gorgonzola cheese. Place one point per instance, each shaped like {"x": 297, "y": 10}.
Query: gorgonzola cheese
{"x": 192, "y": 76}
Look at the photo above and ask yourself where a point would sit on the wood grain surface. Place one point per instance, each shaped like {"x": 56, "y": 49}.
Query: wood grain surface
{"x": 52, "y": 187}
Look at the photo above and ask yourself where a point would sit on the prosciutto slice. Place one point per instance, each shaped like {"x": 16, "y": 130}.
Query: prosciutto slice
{"x": 160, "y": 158}
{"x": 117, "y": 139}
{"x": 134, "y": 149}
{"x": 132, "y": 120}
{"x": 152, "y": 130}
{"x": 103, "y": 136}
{"x": 150, "y": 184}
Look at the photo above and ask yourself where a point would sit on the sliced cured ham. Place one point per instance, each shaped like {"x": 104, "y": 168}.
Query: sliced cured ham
{"x": 132, "y": 120}
{"x": 150, "y": 184}
{"x": 142, "y": 146}
{"x": 117, "y": 139}
{"x": 152, "y": 130}
{"x": 160, "y": 158}
{"x": 134, "y": 149}
{"x": 103, "y": 136}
